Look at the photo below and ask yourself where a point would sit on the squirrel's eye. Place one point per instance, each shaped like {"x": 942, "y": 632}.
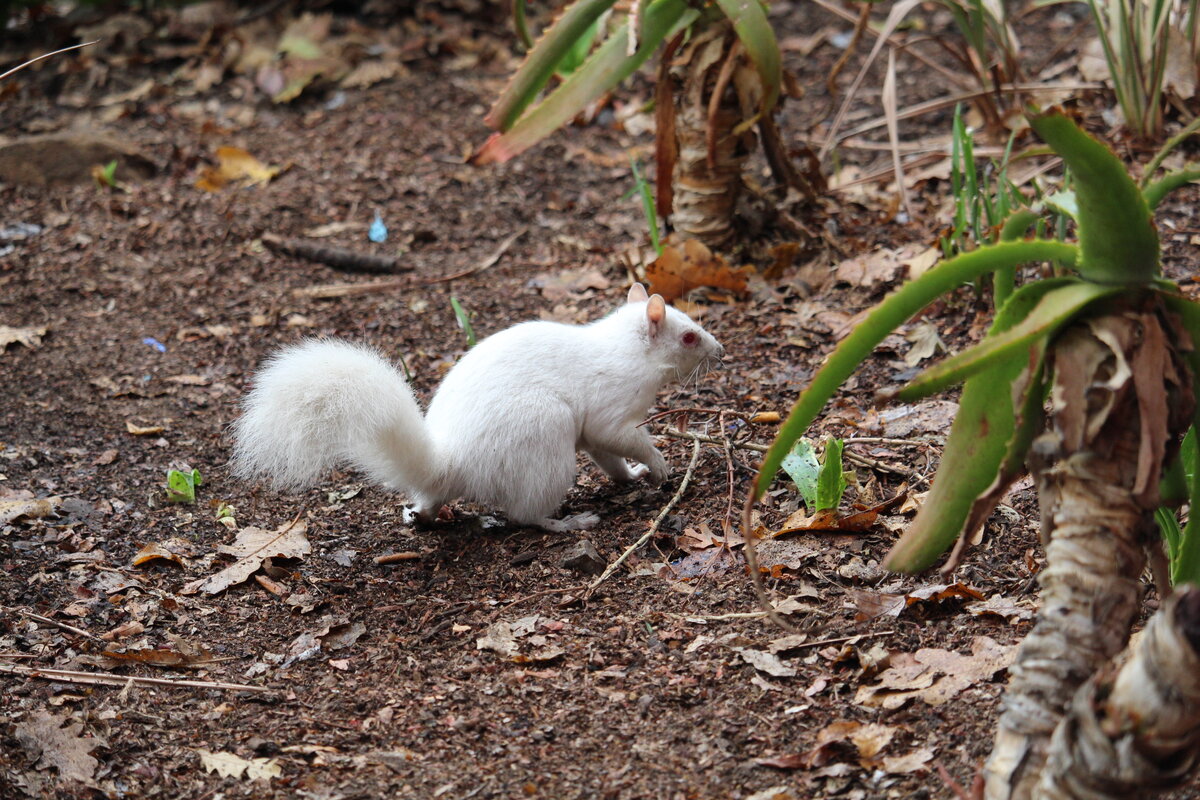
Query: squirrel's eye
{"x": 690, "y": 338}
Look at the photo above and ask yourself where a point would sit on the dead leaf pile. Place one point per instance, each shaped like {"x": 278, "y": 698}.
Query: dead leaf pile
{"x": 50, "y": 743}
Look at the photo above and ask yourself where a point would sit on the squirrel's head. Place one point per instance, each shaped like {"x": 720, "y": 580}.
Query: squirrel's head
{"x": 680, "y": 343}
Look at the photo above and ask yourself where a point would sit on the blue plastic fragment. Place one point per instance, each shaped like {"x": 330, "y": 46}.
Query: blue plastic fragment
{"x": 378, "y": 232}
{"x": 155, "y": 343}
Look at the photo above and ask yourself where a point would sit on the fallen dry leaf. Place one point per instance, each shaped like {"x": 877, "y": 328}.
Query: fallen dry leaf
{"x": 234, "y": 164}
{"x": 682, "y": 268}
{"x": 909, "y": 762}
{"x": 501, "y": 639}
{"x": 31, "y": 337}
{"x": 227, "y": 765}
{"x": 30, "y": 508}
{"x": 143, "y": 430}
{"x": 51, "y": 744}
{"x": 935, "y": 675}
{"x": 251, "y": 548}
{"x": 175, "y": 549}
{"x": 828, "y": 520}
{"x": 766, "y": 662}
{"x": 1001, "y": 606}
{"x": 925, "y": 342}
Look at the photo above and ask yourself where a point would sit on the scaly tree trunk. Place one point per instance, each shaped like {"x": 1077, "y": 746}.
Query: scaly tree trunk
{"x": 1134, "y": 732}
{"x": 705, "y": 81}
{"x": 1120, "y": 398}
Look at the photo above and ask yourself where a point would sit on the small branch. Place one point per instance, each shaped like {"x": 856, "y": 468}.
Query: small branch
{"x": 339, "y": 258}
{"x": 703, "y": 439}
{"x": 110, "y": 679}
{"x": 45, "y": 55}
{"x": 57, "y": 624}
{"x": 683, "y": 484}
{"x": 487, "y": 263}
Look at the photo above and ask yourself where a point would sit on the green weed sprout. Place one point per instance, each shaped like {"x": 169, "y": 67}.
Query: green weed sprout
{"x": 181, "y": 486}
{"x": 464, "y": 322}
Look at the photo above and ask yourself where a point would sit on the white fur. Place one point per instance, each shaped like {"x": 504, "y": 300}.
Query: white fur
{"x": 504, "y": 425}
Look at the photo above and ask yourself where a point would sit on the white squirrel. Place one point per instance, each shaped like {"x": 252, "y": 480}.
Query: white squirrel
{"x": 504, "y": 425}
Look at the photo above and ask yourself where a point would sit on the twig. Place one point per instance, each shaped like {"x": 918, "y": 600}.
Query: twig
{"x": 110, "y": 679}
{"x": 57, "y": 624}
{"x": 683, "y": 484}
{"x": 46, "y": 55}
{"x": 700, "y": 437}
{"x": 394, "y": 558}
{"x": 339, "y": 258}
{"x": 331, "y": 290}
{"x": 760, "y": 591}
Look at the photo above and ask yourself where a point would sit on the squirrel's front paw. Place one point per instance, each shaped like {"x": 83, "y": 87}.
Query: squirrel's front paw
{"x": 657, "y": 470}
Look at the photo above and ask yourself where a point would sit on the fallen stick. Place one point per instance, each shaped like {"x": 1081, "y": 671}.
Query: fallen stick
{"x": 339, "y": 258}
{"x": 110, "y": 679}
{"x": 329, "y": 291}
{"x": 57, "y": 624}
{"x": 683, "y": 484}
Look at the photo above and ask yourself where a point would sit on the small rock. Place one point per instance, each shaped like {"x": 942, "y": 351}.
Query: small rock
{"x": 582, "y": 557}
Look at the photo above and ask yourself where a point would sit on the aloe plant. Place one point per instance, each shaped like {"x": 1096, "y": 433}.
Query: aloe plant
{"x": 720, "y": 75}
{"x": 1090, "y": 379}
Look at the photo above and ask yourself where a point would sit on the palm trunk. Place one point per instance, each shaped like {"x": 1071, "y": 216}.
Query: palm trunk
{"x": 706, "y": 178}
{"x": 1120, "y": 397}
{"x": 1134, "y": 732}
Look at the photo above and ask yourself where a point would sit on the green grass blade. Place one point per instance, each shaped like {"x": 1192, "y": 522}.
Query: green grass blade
{"x": 607, "y": 67}
{"x": 1054, "y": 310}
{"x": 831, "y": 483}
{"x": 1157, "y": 190}
{"x": 540, "y": 63}
{"x": 1117, "y": 239}
{"x": 749, "y": 18}
{"x": 886, "y": 317}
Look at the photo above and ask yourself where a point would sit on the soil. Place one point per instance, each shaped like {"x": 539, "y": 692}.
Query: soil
{"x": 159, "y": 301}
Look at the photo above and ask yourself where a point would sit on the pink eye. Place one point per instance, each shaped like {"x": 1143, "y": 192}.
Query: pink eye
{"x": 690, "y": 338}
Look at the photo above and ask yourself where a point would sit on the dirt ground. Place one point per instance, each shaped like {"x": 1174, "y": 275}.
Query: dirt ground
{"x": 475, "y": 663}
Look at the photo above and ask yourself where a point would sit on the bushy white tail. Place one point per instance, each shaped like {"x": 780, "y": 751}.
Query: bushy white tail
{"x": 325, "y": 403}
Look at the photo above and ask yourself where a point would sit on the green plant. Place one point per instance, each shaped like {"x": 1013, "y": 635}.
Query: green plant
{"x": 820, "y": 483}
{"x": 720, "y": 75}
{"x": 643, "y": 191}
{"x": 464, "y": 321}
{"x": 181, "y": 486}
{"x": 1136, "y": 37}
{"x": 1099, "y": 368}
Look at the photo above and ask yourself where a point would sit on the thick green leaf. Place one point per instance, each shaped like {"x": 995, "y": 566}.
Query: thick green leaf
{"x": 181, "y": 486}
{"x": 984, "y": 443}
{"x": 886, "y": 317}
{"x": 543, "y": 59}
{"x": 750, "y": 22}
{"x": 802, "y": 466}
{"x": 608, "y": 66}
{"x": 1117, "y": 240}
{"x": 1157, "y": 190}
{"x": 831, "y": 483}
{"x": 1054, "y": 310}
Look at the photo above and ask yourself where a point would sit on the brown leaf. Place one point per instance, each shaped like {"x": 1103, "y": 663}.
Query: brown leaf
{"x": 909, "y": 762}
{"x": 44, "y": 737}
{"x": 143, "y": 430}
{"x": 31, "y": 337}
{"x": 828, "y": 520}
{"x": 251, "y": 548}
{"x": 30, "y": 508}
{"x": 935, "y": 675}
{"x": 682, "y": 268}
{"x": 234, "y": 164}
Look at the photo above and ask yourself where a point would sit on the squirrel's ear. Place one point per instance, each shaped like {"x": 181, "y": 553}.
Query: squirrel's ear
{"x": 656, "y": 312}
{"x": 637, "y": 294}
